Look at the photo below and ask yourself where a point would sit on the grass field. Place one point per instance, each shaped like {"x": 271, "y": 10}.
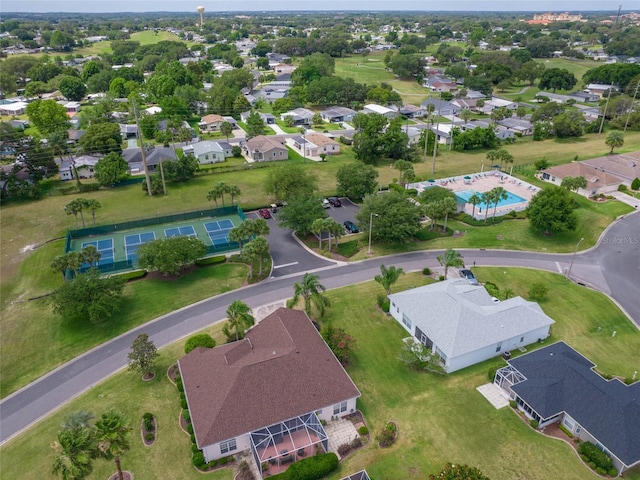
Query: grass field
{"x": 147, "y": 37}
{"x": 440, "y": 419}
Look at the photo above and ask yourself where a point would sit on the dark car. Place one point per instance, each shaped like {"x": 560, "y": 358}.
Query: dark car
{"x": 334, "y": 201}
{"x": 471, "y": 278}
{"x": 351, "y": 227}
{"x": 264, "y": 213}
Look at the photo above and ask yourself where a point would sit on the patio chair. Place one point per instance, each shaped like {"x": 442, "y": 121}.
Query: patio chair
{"x": 301, "y": 452}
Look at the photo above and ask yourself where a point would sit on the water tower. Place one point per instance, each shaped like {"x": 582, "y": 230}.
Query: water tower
{"x": 200, "y": 10}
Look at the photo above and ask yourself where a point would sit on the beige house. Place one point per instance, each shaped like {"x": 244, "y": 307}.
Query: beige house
{"x": 625, "y": 166}
{"x": 597, "y": 180}
{"x": 210, "y": 123}
{"x": 266, "y": 149}
{"x": 316, "y": 144}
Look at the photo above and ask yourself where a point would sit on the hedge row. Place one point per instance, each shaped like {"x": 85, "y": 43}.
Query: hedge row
{"x": 312, "y": 468}
{"x": 211, "y": 260}
{"x": 132, "y": 275}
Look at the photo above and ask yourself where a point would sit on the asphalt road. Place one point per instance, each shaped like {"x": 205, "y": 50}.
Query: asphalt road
{"x": 612, "y": 267}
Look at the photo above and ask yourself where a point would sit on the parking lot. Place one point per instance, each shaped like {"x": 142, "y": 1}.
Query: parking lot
{"x": 347, "y": 211}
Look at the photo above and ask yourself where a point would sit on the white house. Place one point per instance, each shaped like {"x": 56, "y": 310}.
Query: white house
{"x": 208, "y": 152}
{"x": 379, "y": 109}
{"x": 268, "y": 392}
{"x": 556, "y": 384}
{"x": 462, "y": 323}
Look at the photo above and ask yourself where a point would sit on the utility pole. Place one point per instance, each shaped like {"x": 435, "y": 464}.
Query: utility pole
{"x": 164, "y": 185}
{"x": 142, "y": 150}
{"x": 435, "y": 142}
{"x": 604, "y": 115}
{"x": 633, "y": 103}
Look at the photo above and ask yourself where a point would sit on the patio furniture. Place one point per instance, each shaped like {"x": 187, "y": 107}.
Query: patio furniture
{"x": 301, "y": 452}
{"x": 286, "y": 459}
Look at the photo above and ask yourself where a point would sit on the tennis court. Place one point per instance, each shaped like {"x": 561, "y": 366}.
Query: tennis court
{"x": 118, "y": 244}
{"x": 218, "y": 232}
{"x": 105, "y": 247}
{"x": 133, "y": 242}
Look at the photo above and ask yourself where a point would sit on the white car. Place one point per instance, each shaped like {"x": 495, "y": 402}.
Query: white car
{"x": 326, "y": 203}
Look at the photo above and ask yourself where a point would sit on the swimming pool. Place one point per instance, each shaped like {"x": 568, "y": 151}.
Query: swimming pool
{"x": 510, "y": 200}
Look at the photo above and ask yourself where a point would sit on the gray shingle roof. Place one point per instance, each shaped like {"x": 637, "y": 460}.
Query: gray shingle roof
{"x": 462, "y": 318}
{"x": 560, "y": 379}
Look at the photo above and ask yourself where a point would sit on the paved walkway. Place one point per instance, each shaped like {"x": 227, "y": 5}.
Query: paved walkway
{"x": 340, "y": 432}
{"x": 494, "y": 394}
{"x": 277, "y": 129}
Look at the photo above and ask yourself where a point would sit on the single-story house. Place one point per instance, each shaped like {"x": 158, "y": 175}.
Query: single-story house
{"x": 555, "y": 97}
{"x": 230, "y": 120}
{"x": 598, "y": 89}
{"x": 271, "y": 94}
{"x": 75, "y": 135}
{"x": 267, "y": 393}
{"x": 154, "y": 155}
{"x": 338, "y": 114}
{"x": 597, "y": 180}
{"x": 413, "y": 133}
{"x": 412, "y": 111}
{"x": 153, "y": 110}
{"x": 128, "y": 131}
{"x": 465, "y": 103}
{"x": 210, "y": 123}
{"x": 72, "y": 107}
{"x": 525, "y": 127}
{"x": 379, "y": 109}
{"x": 315, "y": 144}
{"x": 267, "y": 118}
{"x": 14, "y": 108}
{"x": 301, "y": 116}
{"x": 440, "y": 106}
{"x": 625, "y": 166}
{"x": 501, "y": 132}
{"x": 84, "y": 165}
{"x": 208, "y": 152}
{"x": 443, "y": 133}
{"x": 556, "y": 384}
{"x": 584, "y": 97}
{"x": 265, "y": 149}
{"x": 463, "y": 324}
{"x": 19, "y": 124}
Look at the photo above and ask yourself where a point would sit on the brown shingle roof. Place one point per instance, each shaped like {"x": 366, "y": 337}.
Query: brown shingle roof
{"x": 213, "y": 118}
{"x": 319, "y": 140}
{"x": 595, "y": 178}
{"x": 283, "y": 368}
{"x": 263, "y": 143}
{"x": 626, "y": 166}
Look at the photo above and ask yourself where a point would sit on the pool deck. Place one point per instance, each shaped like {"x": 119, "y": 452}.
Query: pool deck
{"x": 484, "y": 182}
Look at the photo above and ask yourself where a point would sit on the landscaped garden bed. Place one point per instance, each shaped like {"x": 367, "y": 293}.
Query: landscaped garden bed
{"x": 148, "y": 429}
{"x": 388, "y": 435}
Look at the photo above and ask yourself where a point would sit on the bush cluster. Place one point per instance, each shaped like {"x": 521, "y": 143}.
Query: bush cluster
{"x": 344, "y": 449}
{"x": 356, "y": 442}
{"x": 533, "y": 423}
{"x": 186, "y": 415}
{"x": 387, "y": 436}
{"x": 312, "y": 468}
{"x": 383, "y": 302}
{"x": 200, "y": 340}
{"x": 363, "y": 430}
{"x": 198, "y": 459}
{"x": 149, "y": 436}
{"x": 566, "y": 431}
{"x": 148, "y": 422}
{"x": 426, "y": 271}
{"x": 595, "y": 456}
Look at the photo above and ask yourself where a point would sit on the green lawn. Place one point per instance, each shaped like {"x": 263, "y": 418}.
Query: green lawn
{"x": 145, "y": 38}
{"x": 440, "y": 419}
{"x": 35, "y": 340}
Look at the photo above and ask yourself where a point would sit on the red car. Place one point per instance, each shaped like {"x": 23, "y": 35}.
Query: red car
{"x": 264, "y": 213}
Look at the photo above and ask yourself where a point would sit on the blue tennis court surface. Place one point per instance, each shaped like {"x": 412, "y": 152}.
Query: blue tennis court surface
{"x": 218, "y": 232}
{"x": 105, "y": 247}
{"x": 187, "y": 231}
{"x": 133, "y": 242}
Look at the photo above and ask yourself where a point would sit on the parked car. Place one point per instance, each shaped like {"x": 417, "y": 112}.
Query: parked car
{"x": 468, "y": 274}
{"x": 325, "y": 203}
{"x": 351, "y": 227}
{"x": 334, "y": 201}
{"x": 264, "y": 213}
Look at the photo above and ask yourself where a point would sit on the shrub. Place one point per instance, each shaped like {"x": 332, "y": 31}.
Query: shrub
{"x": 200, "y": 340}
{"x": 412, "y": 192}
{"x": 542, "y": 164}
{"x": 88, "y": 187}
{"x": 426, "y": 271}
{"x": 387, "y": 436}
{"x": 383, "y": 302}
{"x": 222, "y": 461}
{"x": 492, "y": 373}
{"x": 186, "y": 415}
{"x": 179, "y": 385}
{"x": 538, "y": 292}
{"x": 595, "y": 456}
{"x": 198, "y": 459}
{"x": 194, "y": 448}
{"x": 513, "y": 404}
{"x": 345, "y": 141}
{"x": 356, "y": 442}
{"x": 193, "y": 438}
{"x": 441, "y": 278}
{"x": 236, "y": 151}
{"x": 212, "y": 463}
{"x": 190, "y": 428}
{"x": 148, "y": 422}
{"x": 397, "y": 188}
{"x": 592, "y": 465}
{"x": 149, "y": 437}
{"x": 613, "y": 472}
{"x": 622, "y": 187}
{"x": 533, "y": 423}
{"x": 183, "y": 403}
{"x": 566, "y": 431}
{"x": 635, "y": 184}
{"x": 211, "y": 260}
{"x": 312, "y": 468}
{"x": 363, "y": 430}
{"x": 601, "y": 471}
{"x": 132, "y": 275}
{"x": 344, "y": 449}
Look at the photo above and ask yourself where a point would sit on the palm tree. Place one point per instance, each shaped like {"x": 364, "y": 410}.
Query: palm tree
{"x": 93, "y": 205}
{"x": 77, "y": 420}
{"x": 233, "y": 191}
{"x": 317, "y": 118}
{"x": 388, "y": 276}
{"x": 71, "y": 208}
{"x": 474, "y": 200}
{"x": 259, "y": 226}
{"x": 451, "y": 258}
{"x": 335, "y": 229}
{"x": 615, "y": 139}
{"x": 214, "y": 194}
{"x": 499, "y": 194}
{"x": 91, "y": 255}
{"x": 226, "y": 129}
{"x": 240, "y": 317}
{"x": 487, "y": 199}
{"x": 238, "y": 234}
{"x": 222, "y": 188}
{"x": 448, "y": 206}
{"x": 60, "y": 264}
{"x": 317, "y": 227}
{"x": 261, "y": 247}
{"x": 311, "y": 290}
{"x": 112, "y": 435}
{"x": 465, "y": 114}
{"x": 74, "y": 449}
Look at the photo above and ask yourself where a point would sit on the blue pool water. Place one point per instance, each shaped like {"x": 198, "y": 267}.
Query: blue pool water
{"x": 511, "y": 199}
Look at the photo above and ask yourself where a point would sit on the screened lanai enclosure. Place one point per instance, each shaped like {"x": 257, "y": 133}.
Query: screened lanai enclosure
{"x": 506, "y": 377}
{"x": 286, "y": 442}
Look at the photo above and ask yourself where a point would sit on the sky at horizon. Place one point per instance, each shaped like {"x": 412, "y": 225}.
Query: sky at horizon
{"x": 96, "y": 6}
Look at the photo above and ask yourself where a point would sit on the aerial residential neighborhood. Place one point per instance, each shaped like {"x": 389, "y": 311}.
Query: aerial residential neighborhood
{"x": 372, "y": 242}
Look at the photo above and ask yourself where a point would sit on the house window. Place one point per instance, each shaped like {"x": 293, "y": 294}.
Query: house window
{"x": 206, "y": 156}
{"x": 407, "y": 321}
{"x": 499, "y": 347}
{"x": 521, "y": 339}
{"x": 228, "y": 446}
{"x": 393, "y": 304}
{"x": 442, "y": 355}
{"x": 340, "y": 407}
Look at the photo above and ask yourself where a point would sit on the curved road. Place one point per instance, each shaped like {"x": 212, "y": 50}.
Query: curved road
{"x": 612, "y": 267}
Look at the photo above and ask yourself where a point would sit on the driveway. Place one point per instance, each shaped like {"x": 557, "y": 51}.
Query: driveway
{"x": 347, "y": 211}
{"x": 613, "y": 267}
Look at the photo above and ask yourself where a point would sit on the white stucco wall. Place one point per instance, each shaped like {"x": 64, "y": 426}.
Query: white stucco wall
{"x": 212, "y": 452}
